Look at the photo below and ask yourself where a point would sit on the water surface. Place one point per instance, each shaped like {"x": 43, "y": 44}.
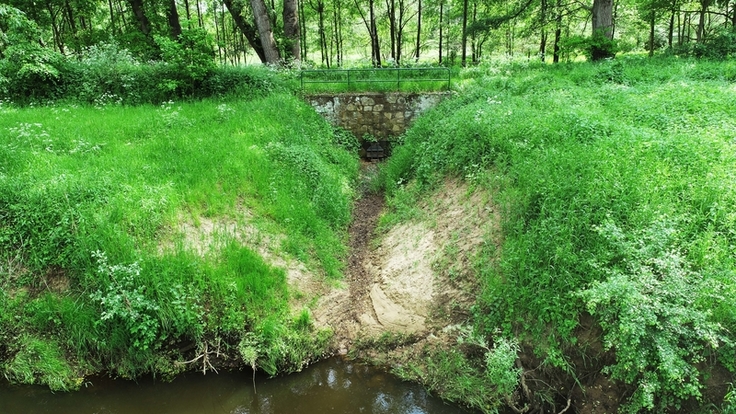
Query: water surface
{"x": 332, "y": 386}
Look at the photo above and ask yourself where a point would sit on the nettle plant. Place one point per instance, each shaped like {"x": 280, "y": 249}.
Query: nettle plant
{"x": 656, "y": 314}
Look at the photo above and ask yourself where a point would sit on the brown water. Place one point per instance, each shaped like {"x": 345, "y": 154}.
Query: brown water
{"x": 332, "y": 386}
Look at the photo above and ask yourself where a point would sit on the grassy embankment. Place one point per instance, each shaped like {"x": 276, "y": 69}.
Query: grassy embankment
{"x": 617, "y": 186}
{"x": 128, "y": 235}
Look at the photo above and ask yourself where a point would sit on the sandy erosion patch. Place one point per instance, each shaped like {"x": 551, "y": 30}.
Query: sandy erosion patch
{"x": 416, "y": 278}
{"x": 208, "y": 235}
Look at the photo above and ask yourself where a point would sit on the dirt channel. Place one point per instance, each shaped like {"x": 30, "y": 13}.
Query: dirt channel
{"x": 409, "y": 279}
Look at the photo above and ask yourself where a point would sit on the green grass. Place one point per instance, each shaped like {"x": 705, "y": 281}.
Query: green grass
{"x": 616, "y": 183}
{"x": 92, "y": 248}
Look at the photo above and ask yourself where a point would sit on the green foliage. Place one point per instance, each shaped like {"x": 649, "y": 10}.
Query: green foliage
{"x": 595, "y": 47}
{"x": 278, "y": 347}
{"x": 108, "y": 73}
{"x": 657, "y": 315}
{"x": 126, "y": 302}
{"x": 191, "y": 58}
{"x": 485, "y": 383}
{"x": 579, "y": 156}
{"x": 719, "y": 45}
{"x": 27, "y": 70}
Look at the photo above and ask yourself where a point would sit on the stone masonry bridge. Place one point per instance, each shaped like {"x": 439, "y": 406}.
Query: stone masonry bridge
{"x": 374, "y": 117}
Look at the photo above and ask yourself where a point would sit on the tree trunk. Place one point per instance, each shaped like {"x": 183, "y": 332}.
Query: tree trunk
{"x": 263, "y": 23}
{"x": 337, "y": 22}
{"x": 322, "y": 35}
{"x": 112, "y": 18}
{"x": 173, "y": 17}
{"x": 543, "y": 23}
{"x": 291, "y": 30}
{"x": 70, "y": 16}
{"x": 140, "y": 15}
{"x": 474, "y": 56}
{"x": 465, "y": 32}
{"x": 441, "y": 7}
{"x": 671, "y": 30}
{"x": 603, "y": 17}
{"x": 558, "y": 33}
{"x": 419, "y": 30}
{"x": 250, "y": 33}
{"x": 375, "y": 44}
{"x": 651, "y": 33}
{"x": 302, "y": 30}
{"x": 391, "y": 14}
{"x": 199, "y": 15}
{"x": 186, "y": 8}
{"x": 700, "y": 32}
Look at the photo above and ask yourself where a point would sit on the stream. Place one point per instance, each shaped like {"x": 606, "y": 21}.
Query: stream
{"x": 331, "y": 386}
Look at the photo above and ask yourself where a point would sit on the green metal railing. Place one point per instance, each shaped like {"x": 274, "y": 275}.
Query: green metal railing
{"x": 388, "y": 77}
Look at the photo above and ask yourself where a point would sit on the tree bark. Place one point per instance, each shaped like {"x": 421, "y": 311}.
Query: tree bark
{"x": 376, "y": 45}
{"x": 173, "y": 17}
{"x": 291, "y": 29}
{"x": 419, "y": 29}
{"x": 671, "y": 30}
{"x": 465, "y": 32}
{"x": 263, "y": 23}
{"x": 603, "y": 17}
{"x": 112, "y": 17}
{"x": 251, "y": 35}
{"x": 140, "y": 15}
{"x": 651, "y": 33}
{"x": 441, "y": 12}
{"x": 700, "y": 32}
{"x": 558, "y": 33}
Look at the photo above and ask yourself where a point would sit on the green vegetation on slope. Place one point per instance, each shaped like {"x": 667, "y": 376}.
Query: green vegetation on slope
{"x": 616, "y": 183}
{"x": 96, "y": 273}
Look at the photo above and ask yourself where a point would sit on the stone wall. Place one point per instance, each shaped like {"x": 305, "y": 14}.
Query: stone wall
{"x": 380, "y": 115}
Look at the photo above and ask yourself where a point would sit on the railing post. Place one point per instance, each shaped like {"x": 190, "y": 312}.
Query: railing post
{"x": 348, "y": 79}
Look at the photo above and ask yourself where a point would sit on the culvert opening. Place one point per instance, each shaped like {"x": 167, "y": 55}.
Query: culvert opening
{"x": 375, "y": 151}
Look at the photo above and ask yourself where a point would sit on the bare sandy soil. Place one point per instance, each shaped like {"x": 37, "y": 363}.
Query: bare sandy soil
{"x": 413, "y": 278}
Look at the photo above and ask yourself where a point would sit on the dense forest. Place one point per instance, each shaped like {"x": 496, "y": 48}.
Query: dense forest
{"x": 332, "y": 33}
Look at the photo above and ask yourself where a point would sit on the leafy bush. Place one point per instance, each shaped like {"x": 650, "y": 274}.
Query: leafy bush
{"x": 596, "y": 47}
{"x": 657, "y": 315}
{"x": 719, "y": 45}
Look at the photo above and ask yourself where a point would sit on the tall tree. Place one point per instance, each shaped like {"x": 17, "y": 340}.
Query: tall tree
{"x": 291, "y": 29}
{"x": 370, "y": 24}
{"x": 465, "y": 33}
{"x": 319, "y": 7}
{"x": 173, "y": 17}
{"x": 235, "y": 7}
{"x": 603, "y": 17}
{"x": 602, "y": 46}
{"x": 419, "y": 29}
{"x": 140, "y": 15}
{"x": 263, "y": 23}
